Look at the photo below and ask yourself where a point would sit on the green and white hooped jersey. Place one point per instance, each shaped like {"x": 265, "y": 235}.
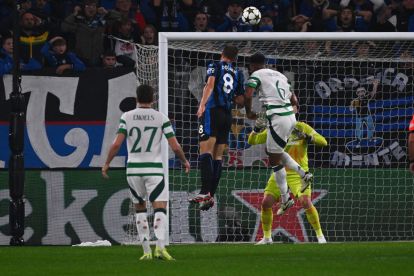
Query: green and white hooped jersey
{"x": 143, "y": 128}
{"x": 274, "y": 91}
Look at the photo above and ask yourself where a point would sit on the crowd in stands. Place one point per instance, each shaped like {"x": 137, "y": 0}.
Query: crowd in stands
{"x": 74, "y": 34}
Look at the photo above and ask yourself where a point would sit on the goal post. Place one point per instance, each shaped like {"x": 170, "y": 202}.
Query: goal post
{"x": 354, "y": 192}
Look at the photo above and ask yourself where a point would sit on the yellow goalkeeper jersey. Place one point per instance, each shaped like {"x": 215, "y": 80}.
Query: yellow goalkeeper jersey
{"x": 297, "y": 146}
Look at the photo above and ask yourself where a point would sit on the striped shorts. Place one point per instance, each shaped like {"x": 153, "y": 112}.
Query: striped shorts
{"x": 279, "y": 128}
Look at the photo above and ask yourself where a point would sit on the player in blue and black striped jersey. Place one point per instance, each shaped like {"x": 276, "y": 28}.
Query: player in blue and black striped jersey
{"x": 224, "y": 85}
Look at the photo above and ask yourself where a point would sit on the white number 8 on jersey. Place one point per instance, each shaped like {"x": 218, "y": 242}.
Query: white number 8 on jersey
{"x": 228, "y": 83}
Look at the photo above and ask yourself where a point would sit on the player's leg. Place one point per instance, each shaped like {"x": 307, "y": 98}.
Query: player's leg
{"x": 294, "y": 183}
{"x": 223, "y": 124}
{"x": 224, "y": 120}
{"x": 271, "y": 194}
{"x": 217, "y": 166}
{"x": 207, "y": 141}
{"x": 280, "y": 128}
{"x": 215, "y": 177}
{"x": 312, "y": 216}
{"x": 158, "y": 196}
{"x": 137, "y": 193}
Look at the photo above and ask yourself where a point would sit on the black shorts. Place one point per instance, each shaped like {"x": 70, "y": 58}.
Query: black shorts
{"x": 215, "y": 122}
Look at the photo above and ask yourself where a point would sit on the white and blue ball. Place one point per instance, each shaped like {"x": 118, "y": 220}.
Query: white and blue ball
{"x": 251, "y": 16}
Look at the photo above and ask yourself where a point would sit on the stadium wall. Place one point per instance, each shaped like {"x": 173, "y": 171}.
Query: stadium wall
{"x": 73, "y": 206}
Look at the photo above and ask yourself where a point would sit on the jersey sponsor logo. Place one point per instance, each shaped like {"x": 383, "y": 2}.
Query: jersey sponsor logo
{"x": 210, "y": 71}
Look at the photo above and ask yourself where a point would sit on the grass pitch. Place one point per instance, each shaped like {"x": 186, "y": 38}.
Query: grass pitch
{"x": 214, "y": 259}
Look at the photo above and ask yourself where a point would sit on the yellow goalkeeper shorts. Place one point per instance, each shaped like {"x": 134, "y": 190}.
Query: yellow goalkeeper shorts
{"x": 294, "y": 183}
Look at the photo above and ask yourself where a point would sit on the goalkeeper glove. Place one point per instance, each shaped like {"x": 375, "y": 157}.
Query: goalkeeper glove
{"x": 259, "y": 124}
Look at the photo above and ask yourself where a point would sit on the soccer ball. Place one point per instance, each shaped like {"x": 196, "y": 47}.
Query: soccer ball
{"x": 251, "y": 16}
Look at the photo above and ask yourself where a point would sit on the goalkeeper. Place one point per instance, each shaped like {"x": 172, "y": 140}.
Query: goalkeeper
{"x": 297, "y": 147}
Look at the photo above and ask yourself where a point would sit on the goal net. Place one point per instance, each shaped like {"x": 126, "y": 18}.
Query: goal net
{"x": 362, "y": 189}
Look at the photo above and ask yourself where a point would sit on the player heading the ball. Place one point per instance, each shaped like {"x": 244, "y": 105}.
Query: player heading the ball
{"x": 143, "y": 128}
{"x": 225, "y": 85}
{"x": 276, "y": 95}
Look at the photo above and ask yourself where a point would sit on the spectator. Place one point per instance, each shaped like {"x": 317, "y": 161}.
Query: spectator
{"x": 363, "y": 48}
{"x": 278, "y": 10}
{"x": 33, "y": 35}
{"x": 386, "y": 20}
{"x": 320, "y": 13}
{"x": 232, "y": 20}
{"x": 215, "y": 11}
{"x": 299, "y": 23}
{"x": 346, "y": 20}
{"x": 109, "y": 60}
{"x": 312, "y": 49}
{"x": 124, "y": 7}
{"x": 88, "y": 25}
{"x": 170, "y": 15}
{"x": 147, "y": 9}
{"x": 201, "y": 23}
{"x": 42, "y": 8}
{"x": 405, "y": 16}
{"x": 409, "y": 64}
{"x": 6, "y": 57}
{"x": 6, "y": 19}
{"x": 363, "y": 10}
{"x": 124, "y": 43}
{"x": 150, "y": 36}
{"x": 25, "y": 5}
{"x": 266, "y": 23}
{"x": 57, "y": 56}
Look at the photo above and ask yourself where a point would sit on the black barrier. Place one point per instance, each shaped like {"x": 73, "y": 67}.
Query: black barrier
{"x": 16, "y": 211}
{"x": 16, "y": 136}
{"x": 17, "y": 102}
{"x": 16, "y": 132}
{"x": 16, "y": 176}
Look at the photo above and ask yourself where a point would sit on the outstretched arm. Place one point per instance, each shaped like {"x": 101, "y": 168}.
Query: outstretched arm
{"x": 313, "y": 136}
{"x": 257, "y": 138}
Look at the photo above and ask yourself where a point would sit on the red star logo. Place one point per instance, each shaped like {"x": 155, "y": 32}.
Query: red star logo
{"x": 290, "y": 224}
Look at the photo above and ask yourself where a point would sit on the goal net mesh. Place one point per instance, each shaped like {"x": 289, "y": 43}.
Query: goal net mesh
{"x": 362, "y": 189}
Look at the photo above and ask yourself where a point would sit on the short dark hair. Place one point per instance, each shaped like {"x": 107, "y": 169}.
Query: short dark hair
{"x": 258, "y": 58}
{"x": 4, "y": 36}
{"x": 230, "y": 52}
{"x": 108, "y": 53}
{"x": 145, "y": 94}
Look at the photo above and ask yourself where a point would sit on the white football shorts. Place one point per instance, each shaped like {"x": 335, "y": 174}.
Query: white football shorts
{"x": 278, "y": 132}
{"x": 142, "y": 186}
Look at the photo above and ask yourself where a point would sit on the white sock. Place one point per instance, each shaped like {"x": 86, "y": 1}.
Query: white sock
{"x": 159, "y": 226}
{"x": 289, "y": 162}
{"x": 280, "y": 177}
{"x": 143, "y": 230}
